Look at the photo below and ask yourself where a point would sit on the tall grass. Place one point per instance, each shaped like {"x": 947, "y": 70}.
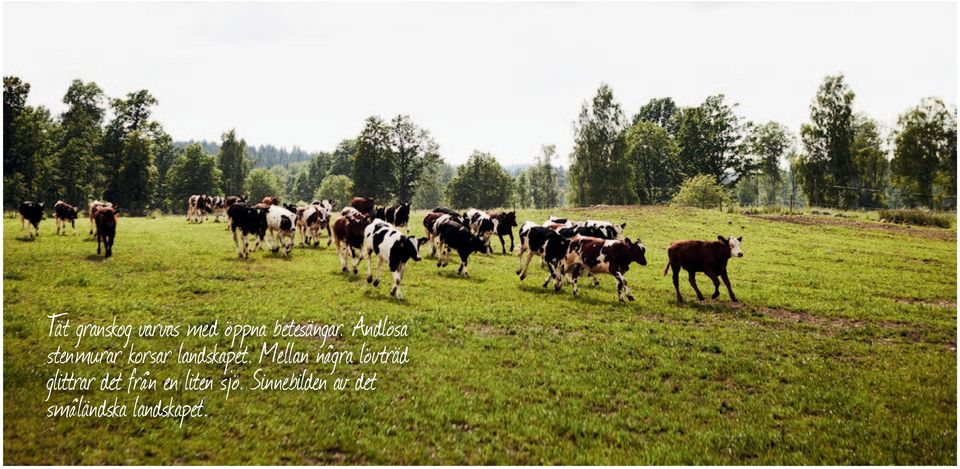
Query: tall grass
{"x": 915, "y": 217}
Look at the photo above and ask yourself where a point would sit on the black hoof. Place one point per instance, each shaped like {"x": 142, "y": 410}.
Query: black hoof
{"x": 376, "y": 283}
{"x": 369, "y": 279}
{"x": 630, "y": 297}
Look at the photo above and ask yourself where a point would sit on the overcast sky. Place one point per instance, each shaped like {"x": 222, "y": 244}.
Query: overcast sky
{"x": 503, "y": 78}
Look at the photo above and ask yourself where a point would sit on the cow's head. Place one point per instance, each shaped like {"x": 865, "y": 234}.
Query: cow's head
{"x": 733, "y": 244}
{"x": 509, "y": 219}
{"x": 476, "y": 244}
{"x": 636, "y": 251}
{"x": 413, "y": 244}
{"x": 291, "y": 207}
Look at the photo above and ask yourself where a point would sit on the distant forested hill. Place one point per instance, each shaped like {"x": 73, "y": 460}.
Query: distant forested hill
{"x": 263, "y": 156}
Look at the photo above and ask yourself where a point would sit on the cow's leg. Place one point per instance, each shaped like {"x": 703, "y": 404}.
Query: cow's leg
{"x": 503, "y": 244}
{"x": 366, "y": 253}
{"x": 236, "y": 244}
{"x": 342, "y": 255}
{"x": 356, "y": 261}
{"x": 622, "y": 287}
{"x": 397, "y": 278}
{"x": 376, "y": 282}
{"x": 716, "y": 283}
{"x": 554, "y": 270}
{"x": 329, "y": 235}
{"x": 596, "y": 280}
{"x": 526, "y": 265}
{"x": 726, "y": 282}
{"x": 463, "y": 266}
{"x": 693, "y": 283}
{"x": 98, "y": 242}
{"x": 289, "y": 239}
{"x": 73, "y": 224}
{"x": 108, "y": 245}
{"x": 676, "y": 279}
{"x": 520, "y": 260}
{"x": 574, "y": 275}
{"x": 23, "y": 223}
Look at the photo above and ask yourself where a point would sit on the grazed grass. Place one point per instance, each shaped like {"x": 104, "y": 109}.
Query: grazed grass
{"x": 842, "y": 351}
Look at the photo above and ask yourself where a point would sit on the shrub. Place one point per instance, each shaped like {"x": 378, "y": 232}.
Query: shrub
{"x": 337, "y": 188}
{"x": 702, "y": 191}
{"x": 915, "y": 217}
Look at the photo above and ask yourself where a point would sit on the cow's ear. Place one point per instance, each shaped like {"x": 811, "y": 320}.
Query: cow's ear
{"x": 740, "y": 238}
{"x": 627, "y": 240}
{"x": 422, "y": 240}
{"x": 722, "y": 239}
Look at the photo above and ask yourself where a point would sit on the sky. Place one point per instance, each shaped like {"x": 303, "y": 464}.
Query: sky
{"x": 503, "y": 78}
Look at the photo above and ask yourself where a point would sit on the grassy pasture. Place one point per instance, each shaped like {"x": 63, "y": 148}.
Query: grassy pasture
{"x": 841, "y": 352}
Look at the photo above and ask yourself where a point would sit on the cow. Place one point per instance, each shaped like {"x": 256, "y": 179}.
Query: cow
{"x": 483, "y": 226}
{"x": 31, "y": 212}
{"x": 398, "y": 215}
{"x": 602, "y": 256}
{"x": 64, "y": 213}
{"x": 249, "y": 221}
{"x": 281, "y": 223}
{"x": 553, "y": 222}
{"x": 326, "y": 209}
{"x": 363, "y": 204}
{"x": 348, "y": 235}
{"x": 709, "y": 257}
{"x": 228, "y": 201}
{"x": 390, "y": 245}
{"x": 505, "y": 223}
{"x": 270, "y": 200}
{"x": 218, "y": 207}
{"x": 540, "y": 241}
{"x": 106, "y": 220}
{"x": 451, "y": 234}
{"x": 309, "y": 221}
{"x": 197, "y": 208}
{"x": 606, "y": 229}
{"x": 92, "y": 208}
{"x": 430, "y": 225}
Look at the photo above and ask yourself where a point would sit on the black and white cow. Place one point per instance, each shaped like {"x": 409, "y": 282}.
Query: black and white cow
{"x": 96, "y": 204}
{"x": 540, "y": 241}
{"x": 228, "y": 201}
{"x": 249, "y": 221}
{"x": 197, "y": 208}
{"x": 398, "y": 215}
{"x": 282, "y": 225}
{"x": 31, "y": 212}
{"x": 64, "y": 213}
{"x": 218, "y": 207}
{"x": 453, "y": 235}
{"x": 602, "y": 256}
{"x": 482, "y": 225}
{"x": 309, "y": 220}
{"x": 430, "y": 225}
{"x": 391, "y": 246}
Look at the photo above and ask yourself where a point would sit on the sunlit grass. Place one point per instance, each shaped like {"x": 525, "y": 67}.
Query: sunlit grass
{"x": 842, "y": 351}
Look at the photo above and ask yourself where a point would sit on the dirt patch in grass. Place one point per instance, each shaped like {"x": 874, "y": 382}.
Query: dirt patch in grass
{"x": 950, "y": 304}
{"x": 814, "y": 220}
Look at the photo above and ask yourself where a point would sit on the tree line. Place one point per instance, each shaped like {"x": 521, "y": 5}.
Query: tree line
{"x": 843, "y": 158}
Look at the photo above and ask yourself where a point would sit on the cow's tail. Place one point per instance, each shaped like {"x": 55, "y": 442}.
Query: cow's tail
{"x": 666, "y": 269}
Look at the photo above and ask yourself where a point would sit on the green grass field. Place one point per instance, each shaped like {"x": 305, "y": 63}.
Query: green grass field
{"x": 842, "y": 350}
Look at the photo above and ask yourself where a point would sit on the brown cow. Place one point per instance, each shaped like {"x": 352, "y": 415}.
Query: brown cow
{"x": 709, "y": 257}
{"x": 270, "y": 200}
{"x": 348, "y": 235}
{"x": 364, "y": 204}
{"x": 106, "y": 220}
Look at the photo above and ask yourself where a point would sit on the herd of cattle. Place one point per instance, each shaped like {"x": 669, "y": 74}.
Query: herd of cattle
{"x": 364, "y": 230}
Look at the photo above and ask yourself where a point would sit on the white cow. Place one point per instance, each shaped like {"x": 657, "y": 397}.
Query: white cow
{"x": 282, "y": 225}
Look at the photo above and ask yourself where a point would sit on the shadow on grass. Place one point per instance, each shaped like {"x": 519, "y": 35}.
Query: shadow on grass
{"x": 95, "y": 258}
{"x": 26, "y": 238}
{"x": 452, "y": 274}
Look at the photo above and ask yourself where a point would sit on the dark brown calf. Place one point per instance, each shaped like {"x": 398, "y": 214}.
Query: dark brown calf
{"x": 106, "y": 220}
{"x": 709, "y": 257}
{"x": 348, "y": 235}
{"x": 363, "y": 204}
